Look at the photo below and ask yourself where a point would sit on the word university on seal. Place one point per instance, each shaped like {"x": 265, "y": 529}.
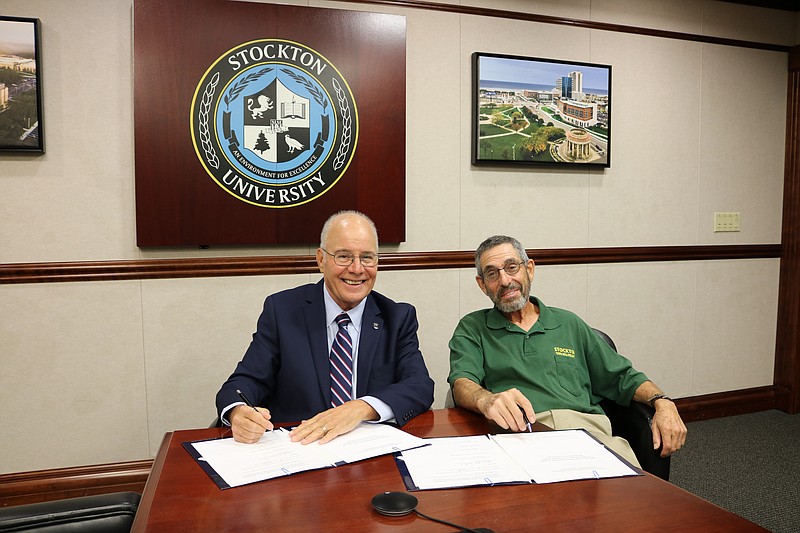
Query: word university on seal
{"x": 274, "y": 123}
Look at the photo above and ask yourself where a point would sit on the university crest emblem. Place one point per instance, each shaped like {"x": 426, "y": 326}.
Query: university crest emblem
{"x": 274, "y": 123}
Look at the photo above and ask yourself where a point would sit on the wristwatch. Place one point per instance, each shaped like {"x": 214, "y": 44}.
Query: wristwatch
{"x": 652, "y": 401}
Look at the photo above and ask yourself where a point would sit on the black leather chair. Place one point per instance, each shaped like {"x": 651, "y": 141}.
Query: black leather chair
{"x": 633, "y": 424}
{"x": 103, "y": 513}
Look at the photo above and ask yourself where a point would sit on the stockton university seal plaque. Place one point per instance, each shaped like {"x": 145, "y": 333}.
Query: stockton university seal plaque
{"x": 274, "y": 123}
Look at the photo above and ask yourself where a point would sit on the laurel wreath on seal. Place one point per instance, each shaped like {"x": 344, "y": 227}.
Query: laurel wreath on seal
{"x": 347, "y": 121}
{"x": 202, "y": 115}
{"x": 315, "y": 92}
{"x": 240, "y": 85}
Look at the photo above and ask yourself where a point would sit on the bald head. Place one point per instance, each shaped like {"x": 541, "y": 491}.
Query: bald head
{"x": 346, "y": 218}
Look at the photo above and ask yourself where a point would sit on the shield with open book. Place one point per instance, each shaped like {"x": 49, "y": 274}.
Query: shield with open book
{"x": 276, "y": 123}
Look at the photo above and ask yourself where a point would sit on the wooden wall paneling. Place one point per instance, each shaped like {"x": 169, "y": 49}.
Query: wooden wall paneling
{"x": 787, "y": 345}
{"x": 177, "y": 43}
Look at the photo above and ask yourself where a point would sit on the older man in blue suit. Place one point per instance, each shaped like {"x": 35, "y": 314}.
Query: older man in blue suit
{"x": 288, "y": 371}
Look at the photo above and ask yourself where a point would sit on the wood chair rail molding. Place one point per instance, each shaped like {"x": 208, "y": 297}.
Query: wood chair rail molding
{"x": 16, "y": 273}
{"x": 575, "y": 23}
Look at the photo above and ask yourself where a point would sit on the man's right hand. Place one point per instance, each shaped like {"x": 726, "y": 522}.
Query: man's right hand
{"x": 504, "y": 408}
{"x": 249, "y": 425}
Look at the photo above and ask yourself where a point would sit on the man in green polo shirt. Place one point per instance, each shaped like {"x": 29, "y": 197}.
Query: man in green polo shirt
{"x": 524, "y": 357}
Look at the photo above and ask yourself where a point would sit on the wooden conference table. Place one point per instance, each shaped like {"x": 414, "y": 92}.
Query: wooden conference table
{"x": 179, "y": 496}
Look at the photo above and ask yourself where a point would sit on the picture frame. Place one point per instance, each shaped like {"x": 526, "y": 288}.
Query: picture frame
{"x": 21, "y": 117}
{"x": 530, "y": 111}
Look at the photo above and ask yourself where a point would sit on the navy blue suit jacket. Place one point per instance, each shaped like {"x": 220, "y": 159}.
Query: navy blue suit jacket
{"x": 286, "y": 367}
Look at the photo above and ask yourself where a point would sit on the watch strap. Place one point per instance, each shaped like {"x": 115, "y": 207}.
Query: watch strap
{"x": 652, "y": 401}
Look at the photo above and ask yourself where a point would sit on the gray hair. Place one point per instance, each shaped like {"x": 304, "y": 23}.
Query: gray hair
{"x": 497, "y": 240}
{"x": 326, "y": 228}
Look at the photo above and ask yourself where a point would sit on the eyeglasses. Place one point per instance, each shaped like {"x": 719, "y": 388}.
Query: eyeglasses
{"x": 492, "y": 274}
{"x": 346, "y": 258}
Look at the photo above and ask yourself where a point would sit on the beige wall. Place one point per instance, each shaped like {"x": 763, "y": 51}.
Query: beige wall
{"x": 97, "y": 372}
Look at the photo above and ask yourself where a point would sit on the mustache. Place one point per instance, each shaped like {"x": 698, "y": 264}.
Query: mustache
{"x": 513, "y": 286}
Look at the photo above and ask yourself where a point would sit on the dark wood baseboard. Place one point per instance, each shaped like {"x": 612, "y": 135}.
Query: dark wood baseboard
{"x": 45, "y": 485}
{"x": 728, "y": 403}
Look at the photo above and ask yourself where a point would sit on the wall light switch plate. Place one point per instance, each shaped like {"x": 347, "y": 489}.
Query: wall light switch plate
{"x": 727, "y": 221}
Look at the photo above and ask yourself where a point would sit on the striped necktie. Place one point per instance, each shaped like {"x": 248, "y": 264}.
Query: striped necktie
{"x": 341, "y": 363}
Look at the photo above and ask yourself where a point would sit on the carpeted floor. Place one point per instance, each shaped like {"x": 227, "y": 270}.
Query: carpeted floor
{"x": 747, "y": 464}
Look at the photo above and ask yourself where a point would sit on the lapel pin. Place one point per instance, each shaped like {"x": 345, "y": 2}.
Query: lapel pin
{"x": 375, "y": 325}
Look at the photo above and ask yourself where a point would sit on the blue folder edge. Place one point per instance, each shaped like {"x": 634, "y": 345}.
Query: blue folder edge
{"x": 639, "y": 471}
{"x": 408, "y": 481}
{"x": 202, "y": 463}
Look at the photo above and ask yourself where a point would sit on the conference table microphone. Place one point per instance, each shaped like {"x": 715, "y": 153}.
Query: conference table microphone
{"x": 403, "y": 503}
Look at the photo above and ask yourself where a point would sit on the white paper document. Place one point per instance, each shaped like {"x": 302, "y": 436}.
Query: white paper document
{"x": 551, "y": 456}
{"x": 233, "y": 464}
{"x": 539, "y": 457}
{"x": 461, "y": 462}
{"x": 371, "y": 440}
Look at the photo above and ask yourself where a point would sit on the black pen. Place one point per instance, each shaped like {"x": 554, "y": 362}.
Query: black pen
{"x": 527, "y": 422}
{"x": 245, "y": 400}
{"x": 248, "y": 402}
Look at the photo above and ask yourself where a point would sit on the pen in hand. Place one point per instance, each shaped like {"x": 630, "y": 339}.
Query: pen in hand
{"x": 246, "y": 401}
{"x": 250, "y": 404}
{"x": 528, "y": 426}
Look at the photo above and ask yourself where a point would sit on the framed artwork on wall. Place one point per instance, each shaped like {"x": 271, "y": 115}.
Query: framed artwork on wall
{"x": 535, "y": 111}
{"x": 21, "y": 120}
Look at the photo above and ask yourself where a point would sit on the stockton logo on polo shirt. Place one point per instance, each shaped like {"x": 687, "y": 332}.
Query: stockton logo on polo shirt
{"x": 565, "y": 352}
{"x": 274, "y": 123}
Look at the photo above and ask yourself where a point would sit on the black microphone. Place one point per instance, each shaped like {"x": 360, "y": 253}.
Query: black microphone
{"x": 403, "y": 503}
{"x": 394, "y": 503}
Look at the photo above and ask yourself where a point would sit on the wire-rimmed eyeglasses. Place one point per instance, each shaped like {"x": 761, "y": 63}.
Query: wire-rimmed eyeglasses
{"x": 492, "y": 274}
{"x": 344, "y": 259}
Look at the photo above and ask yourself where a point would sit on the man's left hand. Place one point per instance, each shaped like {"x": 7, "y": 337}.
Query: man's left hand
{"x": 669, "y": 431}
{"x": 329, "y": 424}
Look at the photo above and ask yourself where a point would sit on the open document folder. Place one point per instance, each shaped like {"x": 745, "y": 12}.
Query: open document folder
{"x": 231, "y": 464}
{"x": 540, "y": 457}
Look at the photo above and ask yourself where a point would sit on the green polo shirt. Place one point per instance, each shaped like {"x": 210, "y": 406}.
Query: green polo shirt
{"x": 559, "y": 364}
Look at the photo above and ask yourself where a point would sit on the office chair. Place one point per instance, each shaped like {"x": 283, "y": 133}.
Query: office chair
{"x": 633, "y": 423}
{"x": 102, "y": 513}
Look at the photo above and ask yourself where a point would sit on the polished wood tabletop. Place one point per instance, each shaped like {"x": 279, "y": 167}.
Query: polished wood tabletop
{"x": 179, "y": 496}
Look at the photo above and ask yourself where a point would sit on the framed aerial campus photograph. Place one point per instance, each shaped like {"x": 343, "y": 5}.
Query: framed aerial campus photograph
{"x": 535, "y": 111}
{"x": 21, "y": 121}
